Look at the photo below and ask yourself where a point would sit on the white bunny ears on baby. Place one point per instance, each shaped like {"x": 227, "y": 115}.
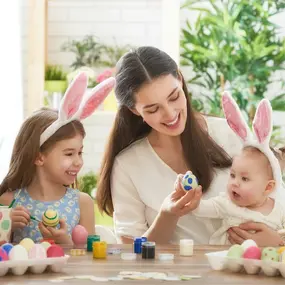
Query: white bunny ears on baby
{"x": 262, "y": 130}
{"x": 75, "y": 106}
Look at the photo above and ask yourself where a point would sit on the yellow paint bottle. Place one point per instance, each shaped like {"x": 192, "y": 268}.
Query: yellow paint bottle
{"x": 99, "y": 249}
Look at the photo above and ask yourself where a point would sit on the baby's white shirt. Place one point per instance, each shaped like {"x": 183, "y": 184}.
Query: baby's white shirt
{"x": 221, "y": 207}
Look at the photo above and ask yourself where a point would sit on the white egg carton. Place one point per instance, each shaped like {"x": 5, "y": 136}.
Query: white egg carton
{"x": 219, "y": 261}
{"x": 36, "y": 266}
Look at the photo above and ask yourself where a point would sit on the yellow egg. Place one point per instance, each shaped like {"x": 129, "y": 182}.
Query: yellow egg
{"x": 281, "y": 249}
{"x": 27, "y": 243}
{"x": 50, "y": 218}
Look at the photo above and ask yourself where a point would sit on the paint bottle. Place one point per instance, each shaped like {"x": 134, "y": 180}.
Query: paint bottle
{"x": 148, "y": 250}
{"x": 99, "y": 249}
{"x": 137, "y": 245}
{"x": 90, "y": 240}
{"x": 186, "y": 247}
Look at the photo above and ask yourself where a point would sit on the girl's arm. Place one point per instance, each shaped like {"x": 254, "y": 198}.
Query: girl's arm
{"x": 87, "y": 214}
{"x": 6, "y": 198}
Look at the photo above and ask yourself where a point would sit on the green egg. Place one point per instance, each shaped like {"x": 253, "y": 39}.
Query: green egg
{"x": 269, "y": 254}
{"x": 235, "y": 251}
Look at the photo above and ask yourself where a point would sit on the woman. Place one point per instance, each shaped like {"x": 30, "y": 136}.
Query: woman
{"x": 157, "y": 135}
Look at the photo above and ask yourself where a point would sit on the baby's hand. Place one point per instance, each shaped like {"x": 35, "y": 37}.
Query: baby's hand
{"x": 20, "y": 217}
{"x": 58, "y": 235}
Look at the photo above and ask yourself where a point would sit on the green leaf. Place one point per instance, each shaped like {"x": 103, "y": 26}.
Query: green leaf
{"x": 278, "y": 103}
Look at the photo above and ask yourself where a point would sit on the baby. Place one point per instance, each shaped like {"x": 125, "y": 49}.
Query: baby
{"x": 254, "y": 187}
{"x": 249, "y": 188}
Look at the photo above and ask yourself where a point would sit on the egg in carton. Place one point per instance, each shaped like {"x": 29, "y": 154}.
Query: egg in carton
{"x": 250, "y": 258}
{"x": 36, "y": 259}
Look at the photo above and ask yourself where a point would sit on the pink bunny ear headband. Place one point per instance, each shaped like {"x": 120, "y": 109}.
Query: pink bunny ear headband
{"x": 75, "y": 106}
{"x": 262, "y": 129}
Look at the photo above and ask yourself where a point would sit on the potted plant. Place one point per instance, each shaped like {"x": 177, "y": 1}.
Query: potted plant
{"x": 87, "y": 52}
{"x": 55, "y": 79}
{"x": 90, "y": 73}
{"x": 87, "y": 184}
{"x": 234, "y": 45}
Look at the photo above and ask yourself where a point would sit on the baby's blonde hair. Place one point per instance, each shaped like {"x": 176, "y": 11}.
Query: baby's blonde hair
{"x": 255, "y": 151}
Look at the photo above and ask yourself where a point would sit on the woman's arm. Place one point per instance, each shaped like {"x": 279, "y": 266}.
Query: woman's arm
{"x": 263, "y": 235}
{"x": 174, "y": 206}
{"x": 129, "y": 210}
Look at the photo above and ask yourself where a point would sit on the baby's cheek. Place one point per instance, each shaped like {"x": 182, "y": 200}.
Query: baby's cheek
{"x": 249, "y": 195}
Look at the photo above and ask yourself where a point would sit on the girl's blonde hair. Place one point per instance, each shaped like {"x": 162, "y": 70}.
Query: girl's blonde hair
{"x": 27, "y": 147}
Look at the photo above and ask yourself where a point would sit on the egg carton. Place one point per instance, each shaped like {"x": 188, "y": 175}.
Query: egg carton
{"x": 219, "y": 261}
{"x": 36, "y": 266}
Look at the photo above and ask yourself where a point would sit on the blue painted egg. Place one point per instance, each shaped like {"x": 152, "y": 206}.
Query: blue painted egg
{"x": 189, "y": 181}
{"x": 7, "y": 247}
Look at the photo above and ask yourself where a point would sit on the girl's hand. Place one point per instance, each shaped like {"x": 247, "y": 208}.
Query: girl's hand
{"x": 179, "y": 202}
{"x": 58, "y": 235}
{"x": 20, "y": 217}
{"x": 260, "y": 233}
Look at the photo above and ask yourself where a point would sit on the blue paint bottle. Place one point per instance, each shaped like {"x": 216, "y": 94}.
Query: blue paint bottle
{"x": 138, "y": 245}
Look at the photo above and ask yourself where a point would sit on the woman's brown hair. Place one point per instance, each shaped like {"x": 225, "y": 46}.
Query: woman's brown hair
{"x": 27, "y": 147}
{"x": 135, "y": 69}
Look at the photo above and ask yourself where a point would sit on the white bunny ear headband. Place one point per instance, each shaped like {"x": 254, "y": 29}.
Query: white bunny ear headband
{"x": 262, "y": 130}
{"x": 75, "y": 106}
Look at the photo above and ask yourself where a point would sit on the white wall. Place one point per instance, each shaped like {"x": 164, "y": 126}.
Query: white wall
{"x": 11, "y": 107}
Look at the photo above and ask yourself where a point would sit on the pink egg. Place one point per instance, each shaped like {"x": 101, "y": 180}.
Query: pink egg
{"x": 55, "y": 251}
{"x": 79, "y": 235}
{"x": 3, "y": 255}
{"x": 37, "y": 252}
{"x": 253, "y": 252}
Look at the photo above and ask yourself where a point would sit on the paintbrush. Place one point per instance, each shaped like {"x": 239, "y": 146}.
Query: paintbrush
{"x": 12, "y": 203}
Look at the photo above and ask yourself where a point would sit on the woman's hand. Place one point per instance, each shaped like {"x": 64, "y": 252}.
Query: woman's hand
{"x": 20, "y": 217}
{"x": 260, "y": 233}
{"x": 179, "y": 202}
{"x": 58, "y": 235}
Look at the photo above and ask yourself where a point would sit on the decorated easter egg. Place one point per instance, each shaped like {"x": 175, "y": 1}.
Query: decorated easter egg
{"x": 3, "y": 255}
{"x": 269, "y": 254}
{"x": 55, "y": 251}
{"x": 27, "y": 243}
{"x": 252, "y": 252}
{"x": 189, "y": 181}
{"x": 45, "y": 245}
{"x": 79, "y": 235}
{"x": 37, "y": 252}
{"x": 7, "y": 247}
{"x": 248, "y": 243}
{"x": 235, "y": 251}
{"x": 281, "y": 250}
{"x": 50, "y": 218}
{"x": 18, "y": 252}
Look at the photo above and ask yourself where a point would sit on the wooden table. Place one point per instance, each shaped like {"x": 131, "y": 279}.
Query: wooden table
{"x": 195, "y": 265}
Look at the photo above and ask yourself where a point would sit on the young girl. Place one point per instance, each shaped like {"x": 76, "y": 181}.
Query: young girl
{"x": 255, "y": 180}
{"x": 47, "y": 157}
